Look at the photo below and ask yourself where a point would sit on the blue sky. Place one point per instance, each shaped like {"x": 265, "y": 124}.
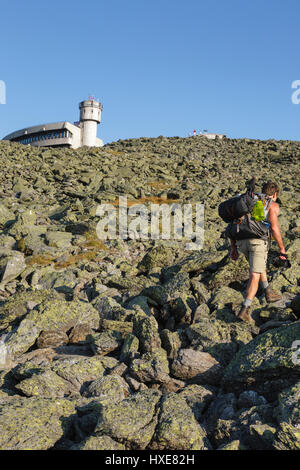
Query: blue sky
{"x": 160, "y": 67}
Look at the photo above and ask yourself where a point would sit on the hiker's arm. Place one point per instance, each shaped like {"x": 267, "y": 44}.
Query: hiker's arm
{"x": 273, "y": 219}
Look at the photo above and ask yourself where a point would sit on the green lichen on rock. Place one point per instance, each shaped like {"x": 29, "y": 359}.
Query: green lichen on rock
{"x": 287, "y": 414}
{"x": 131, "y": 422}
{"x": 267, "y": 358}
{"x": 98, "y": 443}
{"x": 50, "y": 315}
{"x": 34, "y": 423}
{"x": 177, "y": 427}
{"x": 152, "y": 367}
{"x": 19, "y": 304}
{"x": 47, "y": 385}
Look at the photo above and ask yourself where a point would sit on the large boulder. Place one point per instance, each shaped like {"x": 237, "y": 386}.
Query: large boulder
{"x": 110, "y": 388}
{"x": 267, "y": 363}
{"x": 34, "y": 423}
{"x": 131, "y": 422}
{"x": 193, "y": 264}
{"x": 60, "y": 240}
{"x": 12, "y": 264}
{"x": 158, "y": 256}
{"x": 219, "y": 338}
{"x": 5, "y": 215}
{"x": 21, "y": 303}
{"x": 50, "y": 315}
{"x": 145, "y": 328}
{"x": 196, "y": 367}
{"x": 287, "y": 414}
{"x": 152, "y": 367}
{"x": 177, "y": 427}
{"x": 64, "y": 377}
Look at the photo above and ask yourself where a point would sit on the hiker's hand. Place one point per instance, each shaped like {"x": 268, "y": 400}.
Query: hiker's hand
{"x": 283, "y": 260}
{"x": 282, "y": 255}
{"x": 234, "y": 254}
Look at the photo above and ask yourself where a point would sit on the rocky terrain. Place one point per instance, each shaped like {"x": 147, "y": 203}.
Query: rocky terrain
{"x": 134, "y": 344}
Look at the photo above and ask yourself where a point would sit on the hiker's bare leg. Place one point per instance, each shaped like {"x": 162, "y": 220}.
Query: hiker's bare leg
{"x": 263, "y": 277}
{"x": 253, "y": 285}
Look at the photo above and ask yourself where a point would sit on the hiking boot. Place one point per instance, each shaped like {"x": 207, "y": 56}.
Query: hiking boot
{"x": 271, "y": 295}
{"x": 244, "y": 314}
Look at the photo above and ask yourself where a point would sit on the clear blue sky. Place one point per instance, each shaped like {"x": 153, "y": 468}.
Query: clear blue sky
{"x": 160, "y": 67}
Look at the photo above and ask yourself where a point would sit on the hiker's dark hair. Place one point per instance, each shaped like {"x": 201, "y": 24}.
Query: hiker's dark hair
{"x": 270, "y": 188}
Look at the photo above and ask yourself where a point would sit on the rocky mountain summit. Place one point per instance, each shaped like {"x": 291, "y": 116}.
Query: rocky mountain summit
{"x": 133, "y": 343}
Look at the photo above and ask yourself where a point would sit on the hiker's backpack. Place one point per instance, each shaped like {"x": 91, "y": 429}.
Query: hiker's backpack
{"x": 236, "y": 207}
{"x": 247, "y": 226}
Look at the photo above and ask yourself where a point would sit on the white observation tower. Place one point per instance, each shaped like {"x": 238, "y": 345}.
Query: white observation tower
{"x": 90, "y": 117}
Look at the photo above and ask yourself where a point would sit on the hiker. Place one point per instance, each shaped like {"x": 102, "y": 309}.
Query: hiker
{"x": 256, "y": 252}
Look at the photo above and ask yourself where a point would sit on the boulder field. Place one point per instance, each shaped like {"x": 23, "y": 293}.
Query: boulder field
{"x": 132, "y": 343}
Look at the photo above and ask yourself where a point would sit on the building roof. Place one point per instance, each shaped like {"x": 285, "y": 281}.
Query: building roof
{"x": 41, "y": 128}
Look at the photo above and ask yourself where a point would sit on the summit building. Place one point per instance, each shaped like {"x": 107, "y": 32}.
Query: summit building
{"x": 63, "y": 133}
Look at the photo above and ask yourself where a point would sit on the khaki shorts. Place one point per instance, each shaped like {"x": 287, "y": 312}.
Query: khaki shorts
{"x": 256, "y": 252}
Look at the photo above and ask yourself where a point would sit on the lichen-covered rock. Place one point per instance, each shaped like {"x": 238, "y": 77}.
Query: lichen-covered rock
{"x": 250, "y": 398}
{"x": 197, "y": 397}
{"x": 261, "y": 437}
{"x": 193, "y": 264}
{"x": 295, "y": 305}
{"x": 50, "y": 315}
{"x": 231, "y": 272}
{"x": 80, "y": 333}
{"x": 177, "y": 285}
{"x": 266, "y": 363}
{"x": 46, "y": 385}
{"x": 24, "y": 223}
{"x": 64, "y": 377}
{"x": 196, "y": 367}
{"x": 219, "y": 338}
{"x": 5, "y": 215}
{"x": 110, "y": 309}
{"x": 152, "y": 367}
{"x": 19, "y": 304}
{"x": 12, "y": 264}
{"x": 110, "y": 388}
{"x": 172, "y": 341}
{"x": 98, "y": 443}
{"x": 34, "y": 423}
{"x": 63, "y": 281}
{"x": 158, "y": 256}
{"x": 52, "y": 338}
{"x": 60, "y": 240}
{"x": 287, "y": 414}
{"x": 129, "y": 349}
{"x": 177, "y": 427}
{"x": 156, "y": 294}
{"x": 146, "y": 330}
{"x": 123, "y": 327}
{"x": 225, "y": 299}
{"x": 80, "y": 370}
{"x": 105, "y": 342}
{"x": 233, "y": 445}
{"x": 131, "y": 422}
